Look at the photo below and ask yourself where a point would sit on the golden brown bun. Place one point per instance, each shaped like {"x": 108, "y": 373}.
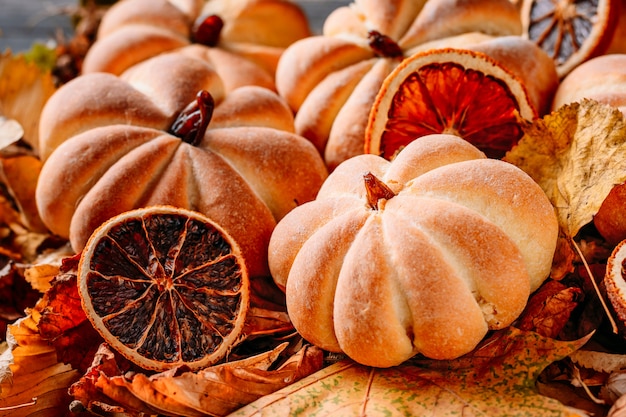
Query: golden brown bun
{"x": 391, "y": 18}
{"x": 296, "y": 77}
{"x": 602, "y": 79}
{"x": 129, "y": 46}
{"x": 255, "y": 30}
{"x": 106, "y": 180}
{"x": 273, "y": 23}
{"x": 133, "y": 31}
{"x": 144, "y": 96}
{"x": 324, "y": 79}
{"x": 454, "y": 253}
{"x": 241, "y": 108}
{"x": 461, "y": 41}
{"x": 349, "y": 118}
{"x": 246, "y": 173}
{"x": 234, "y": 70}
{"x": 440, "y": 19}
{"x": 259, "y": 30}
{"x": 170, "y": 16}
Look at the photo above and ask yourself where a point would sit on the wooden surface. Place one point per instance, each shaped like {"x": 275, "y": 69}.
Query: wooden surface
{"x": 23, "y": 22}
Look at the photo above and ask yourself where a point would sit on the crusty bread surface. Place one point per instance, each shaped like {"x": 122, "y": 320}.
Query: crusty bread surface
{"x": 454, "y": 253}
{"x": 602, "y": 79}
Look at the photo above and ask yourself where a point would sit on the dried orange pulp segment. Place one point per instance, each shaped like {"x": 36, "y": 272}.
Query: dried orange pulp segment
{"x": 570, "y": 31}
{"x": 448, "y": 90}
{"x": 165, "y": 287}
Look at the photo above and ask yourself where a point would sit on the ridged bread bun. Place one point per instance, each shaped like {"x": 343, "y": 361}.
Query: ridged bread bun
{"x": 602, "y": 79}
{"x": 252, "y": 33}
{"x": 447, "y": 245}
{"x": 112, "y": 144}
{"x": 330, "y": 81}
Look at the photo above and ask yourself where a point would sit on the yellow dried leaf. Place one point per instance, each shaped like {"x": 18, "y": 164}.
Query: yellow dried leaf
{"x": 577, "y": 154}
{"x": 24, "y": 89}
{"x": 222, "y": 389}
{"x": 33, "y": 381}
{"x": 10, "y": 132}
{"x": 39, "y": 276}
{"x": 19, "y": 174}
{"x": 599, "y": 361}
{"x": 216, "y": 391}
{"x": 496, "y": 379}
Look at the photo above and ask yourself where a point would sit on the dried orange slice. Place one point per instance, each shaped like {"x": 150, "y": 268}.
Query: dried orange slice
{"x": 457, "y": 91}
{"x": 165, "y": 287}
{"x": 570, "y": 31}
{"x": 615, "y": 281}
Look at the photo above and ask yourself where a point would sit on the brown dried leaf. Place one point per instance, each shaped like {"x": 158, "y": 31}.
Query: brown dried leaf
{"x": 105, "y": 365}
{"x": 64, "y": 323}
{"x": 599, "y": 361}
{"x": 496, "y": 379}
{"x": 549, "y": 309}
{"x": 16, "y": 296}
{"x": 222, "y": 389}
{"x": 33, "y": 381}
{"x": 577, "y": 154}
{"x": 564, "y": 258}
{"x": 19, "y": 174}
{"x": 40, "y": 276}
{"x": 216, "y": 391}
{"x": 24, "y": 89}
{"x": 46, "y": 266}
{"x": 21, "y": 230}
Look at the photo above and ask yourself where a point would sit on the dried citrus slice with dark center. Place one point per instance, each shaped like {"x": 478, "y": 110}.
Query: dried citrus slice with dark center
{"x": 570, "y": 31}
{"x": 451, "y": 91}
{"x": 165, "y": 287}
{"x": 615, "y": 282}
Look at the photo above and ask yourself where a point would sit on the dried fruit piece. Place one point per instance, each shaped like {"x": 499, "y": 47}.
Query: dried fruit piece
{"x": 615, "y": 281}
{"x": 165, "y": 287}
{"x": 330, "y": 81}
{"x": 570, "y": 31}
{"x": 470, "y": 93}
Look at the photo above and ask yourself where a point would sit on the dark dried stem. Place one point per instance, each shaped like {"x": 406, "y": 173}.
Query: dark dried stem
{"x": 207, "y": 29}
{"x": 376, "y": 190}
{"x": 383, "y": 45}
{"x": 192, "y": 122}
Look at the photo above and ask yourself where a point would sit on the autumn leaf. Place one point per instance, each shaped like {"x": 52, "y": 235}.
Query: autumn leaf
{"x": 19, "y": 174}
{"x": 21, "y": 228}
{"x": 10, "y": 131}
{"x": 32, "y": 380}
{"x": 577, "y": 154}
{"x": 63, "y": 322}
{"x": 213, "y": 391}
{"x": 16, "y": 295}
{"x": 222, "y": 389}
{"x": 498, "y": 378}
{"x": 549, "y": 308}
{"x": 24, "y": 89}
{"x": 268, "y": 310}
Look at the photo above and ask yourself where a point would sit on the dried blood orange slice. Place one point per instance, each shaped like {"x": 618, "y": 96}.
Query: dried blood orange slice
{"x": 570, "y": 31}
{"x": 457, "y": 91}
{"x": 165, "y": 287}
